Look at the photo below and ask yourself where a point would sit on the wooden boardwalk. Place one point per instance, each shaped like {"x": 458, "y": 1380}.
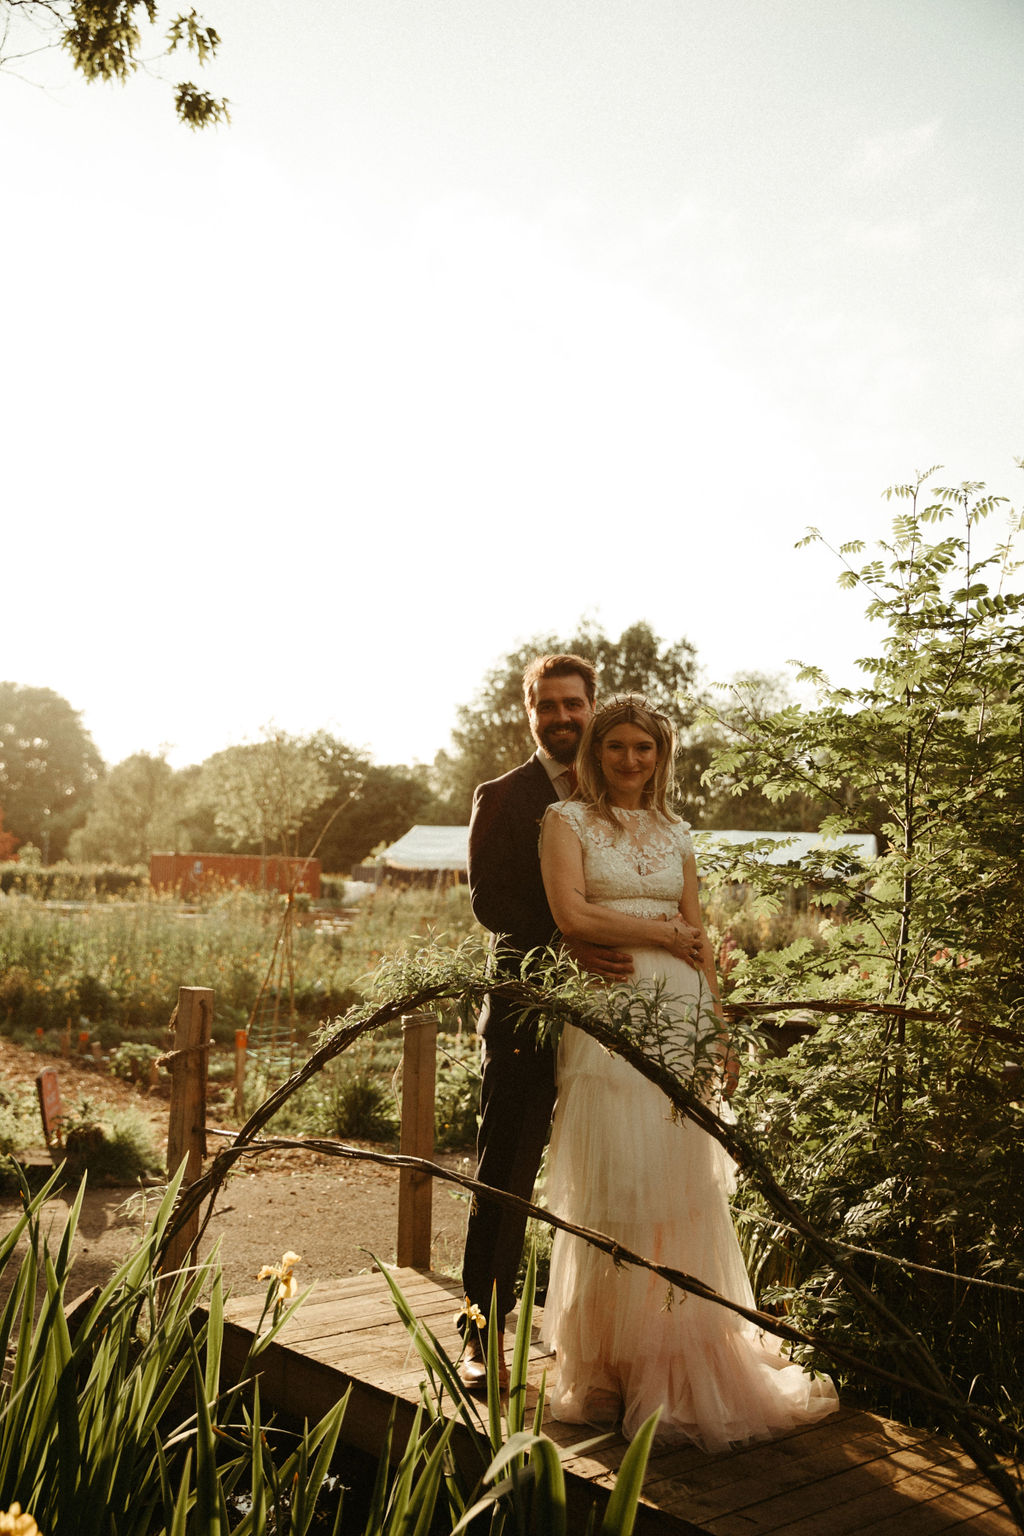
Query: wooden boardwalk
{"x": 853, "y": 1473}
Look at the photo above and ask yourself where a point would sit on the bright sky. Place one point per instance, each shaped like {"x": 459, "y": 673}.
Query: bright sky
{"x": 481, "y": 316}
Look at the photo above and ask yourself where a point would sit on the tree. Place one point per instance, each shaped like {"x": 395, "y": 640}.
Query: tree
{"x": 263, "y": 793}
{"x": 752, "y": 698}
{"x": 928, "y": 752}
{"x": 897, "y": 1126}
{"x": 491, "y": 735}
{"x": 104, "y": 39}
{"x": 368, "y": 804}
{"x": 48, "y": 765}
{"x": 137, "y": 809}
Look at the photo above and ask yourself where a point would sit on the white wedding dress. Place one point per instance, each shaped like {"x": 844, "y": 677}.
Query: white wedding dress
{"x": 625, "y": 1342}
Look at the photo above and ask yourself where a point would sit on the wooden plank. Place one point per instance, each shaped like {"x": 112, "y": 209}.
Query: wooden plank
{"x": 994, "y": 1522}
{"x": 749, "y": 1505}
{"x": 307, "y": 1387}
{"x": 757, "y": 1474}
{"x": 852, "y": 1474}
{"x": 900, "y": 1486}
{"x": 976, "y": 1505}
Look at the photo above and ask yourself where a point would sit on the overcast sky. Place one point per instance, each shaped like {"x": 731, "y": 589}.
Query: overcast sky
{"x": 481, "y": 316}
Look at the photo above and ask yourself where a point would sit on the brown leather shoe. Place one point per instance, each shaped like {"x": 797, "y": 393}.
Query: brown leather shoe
{"x": 473, "y": 1365}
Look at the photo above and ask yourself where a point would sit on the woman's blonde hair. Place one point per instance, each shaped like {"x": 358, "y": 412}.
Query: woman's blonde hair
{"x": 628, "y": 709}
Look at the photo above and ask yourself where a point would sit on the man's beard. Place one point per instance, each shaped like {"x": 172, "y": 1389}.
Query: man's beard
{"x": 560, "y": 746}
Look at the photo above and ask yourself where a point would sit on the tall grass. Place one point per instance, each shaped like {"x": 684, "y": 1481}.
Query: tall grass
{"x": 115, "y": 1419}
{"x": 115, "y": 967}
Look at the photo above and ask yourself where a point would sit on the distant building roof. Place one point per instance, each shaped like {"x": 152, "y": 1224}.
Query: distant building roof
{"x": 446, "y": 847}
{"x": 796, "y": 845}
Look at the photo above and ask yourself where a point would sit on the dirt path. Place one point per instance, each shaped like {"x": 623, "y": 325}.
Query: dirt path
{"x": 332, "y": 1211}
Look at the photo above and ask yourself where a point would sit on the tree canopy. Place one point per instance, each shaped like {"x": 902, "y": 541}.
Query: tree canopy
{"x": 262, "y": 793}
{"x": 491, "y": 734}
{"x": 48, "y": 765}
{"x": 139, "y": 807}
{"x": 927, "y": 753}
{"x": 105, "y": 40}
{"x": 368, "y": 804}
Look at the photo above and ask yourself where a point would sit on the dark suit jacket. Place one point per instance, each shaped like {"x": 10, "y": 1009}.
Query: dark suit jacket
{"x": 505, "y": 885}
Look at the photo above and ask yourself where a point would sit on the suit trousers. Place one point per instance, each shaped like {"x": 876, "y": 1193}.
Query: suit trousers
{"x": 517, "y": 1097}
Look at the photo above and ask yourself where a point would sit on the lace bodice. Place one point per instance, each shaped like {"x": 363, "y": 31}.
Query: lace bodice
{"x": 636, "y": 868}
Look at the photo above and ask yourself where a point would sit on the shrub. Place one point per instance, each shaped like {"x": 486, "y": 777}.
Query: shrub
{"x": 456, "y": 1092}
{"x": 118, "y": 1149}
{"x": 19, "y": 1124}
{"x": 73, "y": 882}
{"x": 134, "y": 1060}
{"x": 357, "y": 1105}
{"x": 120, "y": 1425}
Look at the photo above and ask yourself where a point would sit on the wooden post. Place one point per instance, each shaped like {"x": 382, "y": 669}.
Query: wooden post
{"x": 241, "y": 1049}
{"x": 50, "y": 1106}
{"x": 415, "y": 1189}
{"x": 186, "y": 1131}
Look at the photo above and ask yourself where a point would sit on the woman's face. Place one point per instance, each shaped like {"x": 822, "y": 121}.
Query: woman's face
{"x": 627, "y": 757}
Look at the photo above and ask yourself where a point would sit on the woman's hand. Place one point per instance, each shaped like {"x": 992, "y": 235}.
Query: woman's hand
{"x": 682, "y": 940}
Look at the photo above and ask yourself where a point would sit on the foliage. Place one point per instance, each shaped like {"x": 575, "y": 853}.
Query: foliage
{"x": 137, "y": 809}
{"x": 117, "y": 1149}
{"x": 723, "y": 801}
{"x": 491, "y": 734}
{"x": 19, "y": 1124}
{"x": 262, "y": 793}
{"x": 357, "y": 1105}
{"x": 456, "y": 1091}
{"x": 73, "y": 882}
{"x": 114, "y": 968}
{"x": 929, "y": 1205}
{"x": 120, "y": 1425}
{"x": 523, "y": 1486}
{"x": 929, "y": 754}
{"x": 123, "y": 962}
{"x": 311, "y": 795}
{"x": 104, "y": 39}
{"x": 48, "y": 764}
{"x": 900, "y": 1132}
{"x": 367, "y": 804}
{"x": 119, "y": 1422}
{"x": 133, "y": 1060}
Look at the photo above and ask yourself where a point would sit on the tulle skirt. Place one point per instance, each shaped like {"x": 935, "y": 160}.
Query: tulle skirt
{"x": 625, "y": 1342}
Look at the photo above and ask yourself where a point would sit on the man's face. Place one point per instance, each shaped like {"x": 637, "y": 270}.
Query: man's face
{"x": 558, "y": 715}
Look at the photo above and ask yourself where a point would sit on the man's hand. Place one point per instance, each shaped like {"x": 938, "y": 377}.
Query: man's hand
{"x": 615, "y": 964}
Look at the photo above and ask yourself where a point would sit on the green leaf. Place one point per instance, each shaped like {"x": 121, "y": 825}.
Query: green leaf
{"x": 620, "y": 1515}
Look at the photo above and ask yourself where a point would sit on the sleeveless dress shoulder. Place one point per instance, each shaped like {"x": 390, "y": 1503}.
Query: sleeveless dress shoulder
{"x": 625, "y": 1343}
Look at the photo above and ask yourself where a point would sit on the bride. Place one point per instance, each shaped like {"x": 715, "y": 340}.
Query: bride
{"x": 619, "y": 869}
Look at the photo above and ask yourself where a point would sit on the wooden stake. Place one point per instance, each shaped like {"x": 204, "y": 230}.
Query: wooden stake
{"x": 241, "y": 1048}
{"x": 186, "y": 1131}
{"x": 415, "y": 1189}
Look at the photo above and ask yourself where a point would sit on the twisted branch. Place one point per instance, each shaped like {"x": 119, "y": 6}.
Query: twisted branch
{"x": 536, "y": 1002}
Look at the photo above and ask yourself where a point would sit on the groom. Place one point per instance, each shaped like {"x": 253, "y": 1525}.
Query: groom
{"x": 517, "y": 1092}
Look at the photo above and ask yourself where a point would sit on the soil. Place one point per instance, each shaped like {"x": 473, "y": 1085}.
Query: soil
{"x": 337, "y": 1213}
